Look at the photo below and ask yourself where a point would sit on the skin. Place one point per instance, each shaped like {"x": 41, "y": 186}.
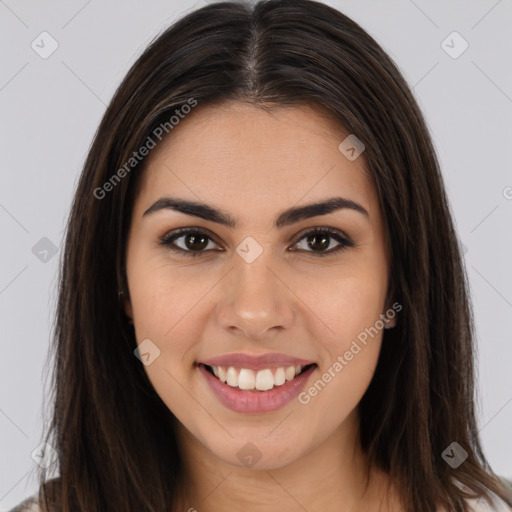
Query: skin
{"x": 253, "y": 165}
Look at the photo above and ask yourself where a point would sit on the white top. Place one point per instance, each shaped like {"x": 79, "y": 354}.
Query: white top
{"x": 480, "y": 505}
{"x": 29, "y": 505}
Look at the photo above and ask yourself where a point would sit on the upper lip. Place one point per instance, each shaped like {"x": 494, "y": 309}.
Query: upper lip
{"x": 256, "y": 362}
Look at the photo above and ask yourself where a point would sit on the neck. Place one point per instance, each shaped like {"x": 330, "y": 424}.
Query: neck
{"x": 332, "y": 476}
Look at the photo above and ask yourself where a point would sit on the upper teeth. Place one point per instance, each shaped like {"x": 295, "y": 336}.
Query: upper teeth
{"x": 261, "y": 380}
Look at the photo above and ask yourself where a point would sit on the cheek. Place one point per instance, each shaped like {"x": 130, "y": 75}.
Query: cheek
{"x": 351, "y": 350}
{"x": 347, "y": 300}
{"x": 350, "y": 303}
{"x": 165, "y": 301}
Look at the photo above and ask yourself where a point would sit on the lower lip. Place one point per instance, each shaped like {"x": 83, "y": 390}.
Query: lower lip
{"x": 256, "y": 401}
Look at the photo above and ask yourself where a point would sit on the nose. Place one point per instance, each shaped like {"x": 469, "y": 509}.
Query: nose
{"x": 255, "y": 302}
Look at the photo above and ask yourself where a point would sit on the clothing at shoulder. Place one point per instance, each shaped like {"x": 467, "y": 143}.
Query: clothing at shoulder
{"x": 481, "y": 505}
{"x": 29, "y": 505}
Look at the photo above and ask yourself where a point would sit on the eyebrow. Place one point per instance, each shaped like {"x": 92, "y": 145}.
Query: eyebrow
{"x": 285, "y": 218}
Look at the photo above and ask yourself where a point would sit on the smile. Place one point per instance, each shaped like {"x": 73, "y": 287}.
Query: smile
{"x": 262, "y": 380}
{"x": 265, "y": 386}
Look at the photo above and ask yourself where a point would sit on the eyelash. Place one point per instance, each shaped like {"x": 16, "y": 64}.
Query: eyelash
{"x": 168, "y": 239}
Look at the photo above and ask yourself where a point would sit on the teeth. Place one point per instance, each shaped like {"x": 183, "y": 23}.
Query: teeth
{"x": 246, "y": 379}
{"x": 232, "y": 377}
{"x": 264, "y": 380}
{"x": 289, "y": 372}
{"x": 279, "y": 377}
{"x": 261, "y": 380}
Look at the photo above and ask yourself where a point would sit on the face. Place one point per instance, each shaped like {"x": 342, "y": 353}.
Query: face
{"x": 291, "y": 305}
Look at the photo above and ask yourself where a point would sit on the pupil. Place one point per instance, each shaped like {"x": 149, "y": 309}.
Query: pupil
{"x": 193, "y": 239}
{"x": 324, "y": 241}
{"x": 199, "y": 242}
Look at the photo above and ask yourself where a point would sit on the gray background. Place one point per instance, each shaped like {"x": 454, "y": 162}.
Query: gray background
{"x": 51, "y": 107}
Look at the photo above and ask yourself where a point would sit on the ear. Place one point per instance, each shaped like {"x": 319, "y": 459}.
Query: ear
{"x": 126, "y": 304}
{"x": 128, "y": 309}
{"x": 390, "y": 320}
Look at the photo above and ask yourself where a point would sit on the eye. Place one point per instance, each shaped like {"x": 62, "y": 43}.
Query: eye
{"x": 197, "y": 242}
{"x": 194, "y": 242}
{"x": 320, "y": 239}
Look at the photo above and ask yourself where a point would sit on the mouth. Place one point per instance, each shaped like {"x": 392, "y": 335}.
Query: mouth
{"x": 256, "y": 390}
{"x": 257, "y": 380}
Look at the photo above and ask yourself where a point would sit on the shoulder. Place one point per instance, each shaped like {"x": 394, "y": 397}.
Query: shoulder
{"x": 28, "y": 505}
{"x": 31, "y": 504}
{"x": 481, "y": 505}
{"x": 498, "y": 505}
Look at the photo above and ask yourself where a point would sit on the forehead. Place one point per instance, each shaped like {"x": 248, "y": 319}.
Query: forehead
{"x": 242, "y": 155}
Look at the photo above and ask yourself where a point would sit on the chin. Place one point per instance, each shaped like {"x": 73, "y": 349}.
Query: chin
{"x": 254, "y": 452}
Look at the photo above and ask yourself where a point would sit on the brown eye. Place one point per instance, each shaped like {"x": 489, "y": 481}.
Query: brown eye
{"x": 194, "y": 241}
{"x": 317, "y": 241}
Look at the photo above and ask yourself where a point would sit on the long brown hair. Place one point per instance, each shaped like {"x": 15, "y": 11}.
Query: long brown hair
{"x": 113, "y": 434}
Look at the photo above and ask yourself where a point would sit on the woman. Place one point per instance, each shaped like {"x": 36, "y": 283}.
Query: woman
{"x": 262, "y": 299}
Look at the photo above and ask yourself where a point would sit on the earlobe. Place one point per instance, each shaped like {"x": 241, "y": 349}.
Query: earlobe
{"x": 389, "y": 316}
{"x": 389, "y": 322}
{"x": 390, "y": 312}
{"x": 128, "y": 310}
{"x": 127, "y": 306}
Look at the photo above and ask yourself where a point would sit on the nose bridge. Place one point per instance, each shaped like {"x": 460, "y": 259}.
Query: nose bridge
{"x": 254, "y": 300}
